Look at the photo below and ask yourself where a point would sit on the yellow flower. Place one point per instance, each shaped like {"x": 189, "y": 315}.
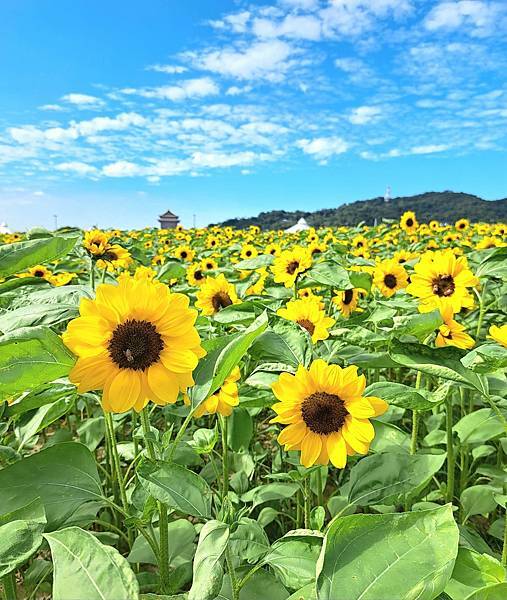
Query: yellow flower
{"x": 308, "y": 313}
{"x": 273, "y": 249}
{"x": 248, "y": 251}
{"x": 443, "y": 276}
{"x": 185, "y": 253}
{"x": 499, "y": 334}
{"x": 60, "y": 279}
{"x": 224, "y": 400}
{"x": 389, "y": 277}
{"x": 452, "y": 333}
{"x": 38, "y": 271}
{"x": 359, "y": 242}
{"x": 408, "y": 222}
{"x": 96, "y": 241}
{"x": 137, "y": 342}
{"x": 289, "y": 264}
{"x": 114, "y": 257}
{"x": 462, "y": 224}
{"x": 209, "y": 264}
{"x": 258, "y": 287}
{"x": 195, "y": 274}
{"x": 346, "y": 301}
{"x": 326, "y": 413}
{"x": 216, "y": 293}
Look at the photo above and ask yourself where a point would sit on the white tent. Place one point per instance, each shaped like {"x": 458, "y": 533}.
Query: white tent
{"x": 301, "y": 225}
{"x": 4, "y": 228}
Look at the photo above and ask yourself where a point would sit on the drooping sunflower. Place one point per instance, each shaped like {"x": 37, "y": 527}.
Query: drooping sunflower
{"x": 307, "y": 313}
{"x": 452, "y": 333}
{"x": 326, "y": 414}
{"x": 347, "y": 301}
{"x": 137, "y": 342}
{"x": 115, "y": 257}
{"x": 96, "y": 241}
{"x": 499, "y": 334}
{"x": 216, "y": 293}
{"x": 442, "y": 276}
{"x": 389, "y": 277}
{"x": 224, "y": 400}
{"x": 185, "y": 253}
{"x": 408, "y": 222}
{"x": 291, "y": 263}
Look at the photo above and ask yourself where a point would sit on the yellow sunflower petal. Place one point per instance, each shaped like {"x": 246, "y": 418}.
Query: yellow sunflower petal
{"x": 163, "y": 384}
{"x": 337, "y": 450}
{"x": 310, "y": 449}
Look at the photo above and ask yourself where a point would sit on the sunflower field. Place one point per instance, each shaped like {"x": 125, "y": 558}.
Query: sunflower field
{"x": 254, "y": 415}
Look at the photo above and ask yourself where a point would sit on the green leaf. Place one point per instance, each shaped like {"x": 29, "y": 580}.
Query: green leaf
{"x": 15, "y": 258}
{"x": 491, "y": 592}
{"x": 250, "y": 264}
{"x": 248, "y": 542}
{"x": 240, "y": 430}
{"x": 294, "y": 557}
{"x": 171, "y": 270}
{"x": 400, "y": 395}
{"x": 419, "y": 325}
{"x": 391, "y": 477}
{"x": 41, "y": 396}
{"x": 271, "y": 491}
{"x": 479, "y": 426}
{"x": 85, "y": 568}
{"x": 214, "y": 368}
{"x": 284, "y": 342}
{"x": 30, "y": 357}
{"x": 409, "y": 555}
{"x": 477, "y": 500}
{"x": 209, "y": 560}
{"x": 64, "y": 476}
{"x": 494, "y": 265}
{"x": 176, "y": 487}
{"x": 329, "y": 274}
{"x": 476, "y": 570}
{"x": 439, "y": 362}
{"x": 486, "y": 358}
{"x": 35, "y": 315}
{"x": 20, "y": 535}
{"x": 181, "y": 549}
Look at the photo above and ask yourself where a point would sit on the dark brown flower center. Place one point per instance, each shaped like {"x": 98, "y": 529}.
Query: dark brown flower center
{"x": 292, "y": 266}
{"x": 198, "y": 275}
{"x": 109, "y": 256}
{"x": 410, "y": 222}
{"x": 323, "y": 413}
{"x": 220, "y": 300}
{"x": 248, "y": 253}
{"x": 183, "y": 254}
{"x": 347, "y": 296}
{"x": 135, "y": 345}
{"x": 308, "y": 325}
{"x": 39, "y": 273}
{"x": 443, "y": 285}
{"x": 390, "y": 281}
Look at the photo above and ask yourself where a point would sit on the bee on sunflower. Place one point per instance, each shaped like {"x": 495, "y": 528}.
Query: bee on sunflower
{"x": 136, "y": 341}
{"x": 289, "y": 264}
{"x": 347, "y": 301}
{"x": 308, "y": 313}
{"x": 326, "y": 414}
{"x": 442, "y": 276}
{"x": 214, "y": 294}
{"x": 389, "y": 277}
{"x": 408, "y": 222}
{"x": 224, "y": 400}
{"x": 498, "y": 334}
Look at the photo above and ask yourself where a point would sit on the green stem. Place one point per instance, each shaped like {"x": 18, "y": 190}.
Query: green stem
{"x": 9, "y": 585}
{"x": 163, "y": 555}
{"x": 450, "y": 450}
{"x": 320, "y": 497}
{"x": 232, "y": 575}
{"x": 92, "y": 274}
{"x": 242, "y": 582}
{"x": 415, "y": 419}
{"x": 225, "y": 457}
{"x": 115, "y": 458}
{"x": 481, "y": 310}
{"x": 504, "y": 549}
{"x": 180, "y": 433}
{"x": 306, "y": 494}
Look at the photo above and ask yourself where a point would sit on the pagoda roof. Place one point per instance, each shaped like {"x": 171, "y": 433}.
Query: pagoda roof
{"x": 168, "y": 214}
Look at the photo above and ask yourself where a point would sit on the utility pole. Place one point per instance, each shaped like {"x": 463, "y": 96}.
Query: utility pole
{"x": 55, "y": 217}
{"x": 193, "y": 221}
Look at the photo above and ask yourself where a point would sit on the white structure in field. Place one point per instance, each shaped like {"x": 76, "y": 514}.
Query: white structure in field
{"x": 301, "y": 225}
{"x": 4, "y": 228}
{"x": 387, "y": 195}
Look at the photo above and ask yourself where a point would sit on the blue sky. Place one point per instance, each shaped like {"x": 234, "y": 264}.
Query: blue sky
{"x": 112, "y": 112}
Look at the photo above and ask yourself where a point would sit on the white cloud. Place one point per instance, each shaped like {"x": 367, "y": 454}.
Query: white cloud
{"x": 189, "y": 88}
{"x": 481, "y": 17}
{"x": 51, "y": 107}
{"x": 169, "y": 69}
{"x": 323, "y": 148}
{"x": 79, "y": 168}
{"x": 82, "y": 100}
{"x": 261, "y": 60}
{"x": 305, "y": 27}
{"x": 235, "y": 90}
{"x": 365, "y": 114}
{"x": 237, "y": 22}
{"x": 429, "y": 149}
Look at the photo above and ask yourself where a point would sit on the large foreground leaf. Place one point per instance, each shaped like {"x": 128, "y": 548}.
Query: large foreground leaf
{"x": 64, "y": 476}
{"x": 209, "y": 560}
{"x": 85, "y": 568}
{"x": 406, "y": 556}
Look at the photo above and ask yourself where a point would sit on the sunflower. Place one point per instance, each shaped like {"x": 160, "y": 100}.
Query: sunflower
{"x": 307, "y": 313}
{"x": 216, "y": 293}
{"x": 317, "y": 248}
{"x": 403, "y": 256}
{"x": 462, "y": 224}
{"x": 96, "y": 241}
{"x": 408, "y": 222}
{"x": 248, "y": 251}
{"x": 452, "y": 333}
{"x": 434, "y": 225}
{"x": 195, "y": 274}
{"x": 326, "y": 413}
{"x": 184, "y": 253}
{"x": 359, "y": 242}
{"x": 273, "y": 249}
{"x": 489, "y": 242}
{"x": 347, "y": 301}
{"x": 39, "y": 271}
{"x": 209, "y": 264}
{"x": 289, "y": 264}
{"x": 499, "y": 334}
{"x": 114, "y": 257}
{"x": 224, "y": 400}
{"x": 158, "y": 259}
{"x": 59, "y": 279}
{"x": 137, "y": 342}
{"x": 389, "y": 277}
{"x": 212, "y": 241}
{"x": 443, "y": 276}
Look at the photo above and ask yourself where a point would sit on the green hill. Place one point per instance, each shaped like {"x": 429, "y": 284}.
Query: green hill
{"x": 445, "y": 207}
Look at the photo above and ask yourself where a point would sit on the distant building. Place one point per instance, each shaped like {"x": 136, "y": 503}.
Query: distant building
{"x": 4, "y": 228}
{"x": 168, "y": 220}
